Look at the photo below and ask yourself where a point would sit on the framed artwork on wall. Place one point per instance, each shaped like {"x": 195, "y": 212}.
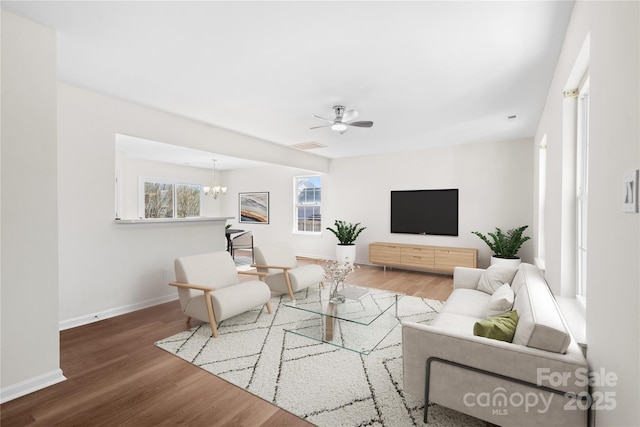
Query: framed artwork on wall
{"x": 254, "y": 207}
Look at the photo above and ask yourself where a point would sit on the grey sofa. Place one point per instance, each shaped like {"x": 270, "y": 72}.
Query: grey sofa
{"x": 537, "y": 379}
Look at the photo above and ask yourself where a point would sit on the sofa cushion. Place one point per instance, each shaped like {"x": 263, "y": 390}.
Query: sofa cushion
{"x": 455, "y": 323}
{"x": 501, "y": 327}
{"x": 540, "y": 323}
{"x": 467, "y": 302}
{"x": 494, "y": 277}
{"x": 501, "y": 301}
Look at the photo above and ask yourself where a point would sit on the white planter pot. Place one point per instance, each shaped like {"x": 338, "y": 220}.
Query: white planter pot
{"x": 506, "y": 262}
{"x": 346, "y": 251}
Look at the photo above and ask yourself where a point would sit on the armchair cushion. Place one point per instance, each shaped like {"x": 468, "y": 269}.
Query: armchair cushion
{"x": 305, "y": 274}
{"x": 234, "y": 300}
{"x": 279, "y": 254}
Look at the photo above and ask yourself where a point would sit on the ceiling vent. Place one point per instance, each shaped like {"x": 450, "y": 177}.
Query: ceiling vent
{"x": 304, "y": 146}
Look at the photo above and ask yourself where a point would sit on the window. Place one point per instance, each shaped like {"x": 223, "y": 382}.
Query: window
{"x": 308, "y": 196}
{"x": 582, "y": 189}
{"x": 170, "y": 200}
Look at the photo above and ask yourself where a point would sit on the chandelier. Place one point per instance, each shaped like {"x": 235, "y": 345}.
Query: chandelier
{"x": 214, "y": 190}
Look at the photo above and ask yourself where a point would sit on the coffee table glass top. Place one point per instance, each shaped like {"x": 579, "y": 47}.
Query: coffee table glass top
{"x": 363, "y": 305}
{"x": 359, "y": 324}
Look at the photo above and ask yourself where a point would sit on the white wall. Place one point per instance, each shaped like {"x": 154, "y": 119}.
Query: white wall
{"x": 613, "y": 295}
{"x": 30, "y": 339}
{"x": 108, "y": 268}
{"x": 495, "y": 182}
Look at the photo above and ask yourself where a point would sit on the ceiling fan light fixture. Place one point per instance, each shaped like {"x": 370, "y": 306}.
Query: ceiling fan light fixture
{"x": 339, "y": 127}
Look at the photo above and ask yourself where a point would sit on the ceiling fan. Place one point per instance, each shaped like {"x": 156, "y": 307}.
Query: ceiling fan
{"x": 343, "y": 120}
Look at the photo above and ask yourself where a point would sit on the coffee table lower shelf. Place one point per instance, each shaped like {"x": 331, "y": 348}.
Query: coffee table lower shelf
{"x": 358, "y": 325}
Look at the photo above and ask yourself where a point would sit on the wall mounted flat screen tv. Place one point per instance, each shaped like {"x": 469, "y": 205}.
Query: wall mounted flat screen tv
{"x": 425, "y": 212}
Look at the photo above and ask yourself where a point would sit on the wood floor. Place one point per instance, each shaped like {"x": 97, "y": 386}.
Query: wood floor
{"x": 117, "y": 377}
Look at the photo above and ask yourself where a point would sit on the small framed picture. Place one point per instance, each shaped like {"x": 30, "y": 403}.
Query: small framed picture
{"x": 630, "y": 203}
{"x": 254, "y": 207}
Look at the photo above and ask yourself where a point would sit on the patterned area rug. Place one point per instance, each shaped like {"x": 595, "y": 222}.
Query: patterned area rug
{"x": 324, "y": 384}
{"x": 243, "y": 263}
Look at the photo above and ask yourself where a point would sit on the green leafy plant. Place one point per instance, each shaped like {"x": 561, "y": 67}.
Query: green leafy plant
{"x": 505, "y": 245}
{"x": 346, "y": 232}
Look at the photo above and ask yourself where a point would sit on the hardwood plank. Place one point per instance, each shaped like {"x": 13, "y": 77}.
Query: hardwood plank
{"x": 116, "y": 375}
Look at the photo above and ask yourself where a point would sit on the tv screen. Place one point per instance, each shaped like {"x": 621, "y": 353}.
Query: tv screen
{"x": 425, "y": 212}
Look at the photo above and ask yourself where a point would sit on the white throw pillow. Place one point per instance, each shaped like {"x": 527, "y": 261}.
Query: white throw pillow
{"x": 501, "y": 301}
{"x": 494, "y": 277}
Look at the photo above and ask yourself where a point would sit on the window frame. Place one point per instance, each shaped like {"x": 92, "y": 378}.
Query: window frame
{"x": 542, "y": 202}
{"x": 582, "y": 188}
{"x": 296, "y": 205}
{"x": 175, "y": 183}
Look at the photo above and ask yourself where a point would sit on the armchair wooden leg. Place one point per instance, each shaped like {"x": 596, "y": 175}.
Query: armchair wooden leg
{"x": 212, "y": 317}
{"x": 288, "y": 280}
{"x": 268, "y": 305}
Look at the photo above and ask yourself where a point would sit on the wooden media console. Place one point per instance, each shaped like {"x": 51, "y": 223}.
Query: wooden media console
{"x": 433, "y": 258}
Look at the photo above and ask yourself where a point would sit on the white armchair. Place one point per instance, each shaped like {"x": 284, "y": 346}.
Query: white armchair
{"x": 284, "y": 275}
{"x": 209, "y": 288}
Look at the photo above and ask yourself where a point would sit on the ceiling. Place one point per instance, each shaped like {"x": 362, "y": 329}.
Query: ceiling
{"x": 426, "y": 73}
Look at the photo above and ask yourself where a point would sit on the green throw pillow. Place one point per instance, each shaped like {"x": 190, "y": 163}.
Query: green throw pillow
{"x": 501, "y": 327}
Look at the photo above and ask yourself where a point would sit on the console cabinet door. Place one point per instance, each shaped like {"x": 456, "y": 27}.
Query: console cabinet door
{"x": 384, "y": 254}
{"x": 418, "y": 257}
{"x": 446, "y": 260}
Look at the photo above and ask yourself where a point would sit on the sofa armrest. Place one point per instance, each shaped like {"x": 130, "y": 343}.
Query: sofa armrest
{"x": 420, "y": 342}
{"x": 466, "y": 277}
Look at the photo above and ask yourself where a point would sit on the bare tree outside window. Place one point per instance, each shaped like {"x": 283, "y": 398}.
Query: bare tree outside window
{"x": 164, "y": 200}
{"x": 188, "y": 200}
{"x": 158, "y": 200}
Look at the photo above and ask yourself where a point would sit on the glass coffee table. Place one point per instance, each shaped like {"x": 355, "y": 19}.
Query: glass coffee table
{"x": 359, "y": 324}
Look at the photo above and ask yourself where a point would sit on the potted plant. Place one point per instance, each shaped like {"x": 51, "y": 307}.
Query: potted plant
{"x": 505, "y": 246}
{"x": 347, "y": 233}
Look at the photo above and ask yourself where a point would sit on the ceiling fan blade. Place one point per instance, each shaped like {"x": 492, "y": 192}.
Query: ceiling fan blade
{"x": 350, "y": 115}
{"x": 361, "y": 124}
{"x": 322, "y": 118}
{"x": 323, "y": 126}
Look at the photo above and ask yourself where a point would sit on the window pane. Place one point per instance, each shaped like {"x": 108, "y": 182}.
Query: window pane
{"x": 308, "y": 197}
{"x": 188, "y": 200}
{"x": 158, "y": 200}
{"x": 309, "y": 218}
{"x": 309, "y": 190}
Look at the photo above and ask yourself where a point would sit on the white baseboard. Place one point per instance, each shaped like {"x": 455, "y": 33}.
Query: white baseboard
{"x": 112, "y": 312}
{"x": 32, "y": 384}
